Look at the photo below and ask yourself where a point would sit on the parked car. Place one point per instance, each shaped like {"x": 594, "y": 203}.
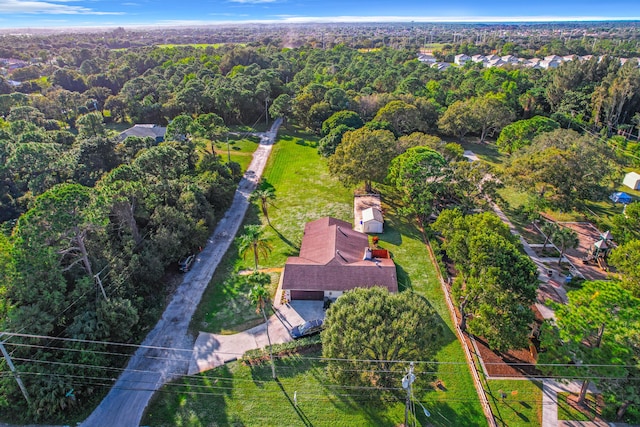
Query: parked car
{"x": 186, "y": 263}
{"x": 306, "y": 329}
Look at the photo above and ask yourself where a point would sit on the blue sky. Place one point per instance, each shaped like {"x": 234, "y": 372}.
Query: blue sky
{"x": 73, "y": 13}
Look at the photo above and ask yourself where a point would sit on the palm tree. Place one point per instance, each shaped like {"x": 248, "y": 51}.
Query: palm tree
{"x": 253, "y": 241}
{"x": 259, "y": 296}
{"x": 549, "y": 229}
{"x": 567, "y": 238}
{"x": 266, "y": 195}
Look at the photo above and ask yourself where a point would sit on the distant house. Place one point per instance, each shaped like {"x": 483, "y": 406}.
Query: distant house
{"x": 427, "y": 58}
{"x": 334, "y": 259}
{"x": 145, "y": 130}
{"x": 479, "y": 58}
{"x": 495, "y": 62}
{"x": 441, "y": 66}
{"x": 461, "y": 59}
{"x": 550, "y": 63}
{"x": 532, "y": 63}
{"x": 553, "y": 58}
{"x": 632, "y": 180}
{"x": 510, "y": 59}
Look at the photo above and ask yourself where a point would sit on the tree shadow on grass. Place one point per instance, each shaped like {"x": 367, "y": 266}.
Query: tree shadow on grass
{"x": 294, "y": 404}
{"x": 404, "y": 281}
{"x": 443, "y": 415}
{"x": 177, "y": 402}
{"x": 295, "y": 248}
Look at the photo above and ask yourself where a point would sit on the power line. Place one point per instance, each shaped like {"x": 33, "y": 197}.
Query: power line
{"x": 310, "y": 358}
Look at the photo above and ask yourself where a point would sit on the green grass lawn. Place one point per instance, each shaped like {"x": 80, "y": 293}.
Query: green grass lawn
{"x": 240, "y": 149}
{"x": 239, "y": 395}
{"x": 522, "y": 405}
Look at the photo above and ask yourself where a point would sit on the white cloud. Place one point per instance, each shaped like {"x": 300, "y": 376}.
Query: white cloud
{"x": 47, "y": 7}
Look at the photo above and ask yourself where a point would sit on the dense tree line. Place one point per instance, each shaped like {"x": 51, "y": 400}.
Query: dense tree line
{"x": 104, "y": 219}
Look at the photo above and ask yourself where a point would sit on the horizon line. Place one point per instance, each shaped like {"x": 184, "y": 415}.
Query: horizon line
{"x": 293, "y": 20}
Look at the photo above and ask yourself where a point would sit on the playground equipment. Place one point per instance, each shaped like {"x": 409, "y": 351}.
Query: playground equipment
{"x": 600, "y": 250}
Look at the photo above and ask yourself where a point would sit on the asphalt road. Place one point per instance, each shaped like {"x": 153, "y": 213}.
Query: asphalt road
{"x": 165, "y": 353}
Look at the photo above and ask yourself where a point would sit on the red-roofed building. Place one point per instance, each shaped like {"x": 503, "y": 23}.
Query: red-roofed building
{"x": 334, "y": 259}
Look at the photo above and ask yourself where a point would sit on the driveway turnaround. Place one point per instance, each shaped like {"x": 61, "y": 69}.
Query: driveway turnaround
{"x": 213, "y": 350}
{"x": 166, "y": 351}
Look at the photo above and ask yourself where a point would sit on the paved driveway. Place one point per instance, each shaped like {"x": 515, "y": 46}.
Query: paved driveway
{"x": 166, "y": 351}
{"x": 213, "y": 350}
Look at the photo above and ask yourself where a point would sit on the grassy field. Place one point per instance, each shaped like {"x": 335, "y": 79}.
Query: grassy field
{"x": 240, "y": 395}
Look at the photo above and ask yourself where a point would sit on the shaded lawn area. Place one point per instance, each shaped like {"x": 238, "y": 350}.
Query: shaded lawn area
{"x": 568, "y": 408}
{"x": 305, "y": 191}
{"x": 487, "y": 152}
{"x": 522, "y": 404}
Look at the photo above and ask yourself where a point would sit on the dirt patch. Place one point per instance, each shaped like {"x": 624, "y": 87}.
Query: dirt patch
{"x": 362, "y": 202}
{"x": 514, "y": 363}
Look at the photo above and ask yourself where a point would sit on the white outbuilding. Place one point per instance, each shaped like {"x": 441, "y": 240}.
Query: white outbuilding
{"x": 632, "y": 180}
{"x": 372, "y": 220}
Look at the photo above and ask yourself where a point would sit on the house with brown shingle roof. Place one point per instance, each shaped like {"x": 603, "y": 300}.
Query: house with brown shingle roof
{"x": 334, "y": 259}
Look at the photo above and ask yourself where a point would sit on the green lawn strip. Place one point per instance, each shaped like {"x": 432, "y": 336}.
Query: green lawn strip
{"x": 522, "y": 404}
{"x": 304, "y": 190}
{"x": 567, "y": 412}
{"x": 196, "y": 45}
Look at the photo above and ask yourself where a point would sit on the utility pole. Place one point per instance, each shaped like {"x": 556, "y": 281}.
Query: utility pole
{"x": 16, "y": 375}
{"x": 228, "y": 150}
{"x": 273, "y": 365}
{"x": 406, "y": 384}
{"x": 266, "y": 111}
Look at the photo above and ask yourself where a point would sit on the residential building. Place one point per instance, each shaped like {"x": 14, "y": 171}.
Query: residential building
{"x": 334, "y": 259}
{"x": 145, "y": 131}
